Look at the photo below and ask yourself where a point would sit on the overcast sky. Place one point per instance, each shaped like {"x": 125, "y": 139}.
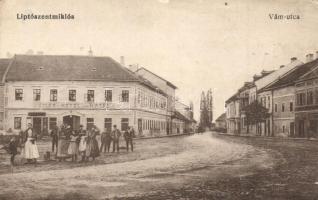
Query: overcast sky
{"x": 195, "y": 44}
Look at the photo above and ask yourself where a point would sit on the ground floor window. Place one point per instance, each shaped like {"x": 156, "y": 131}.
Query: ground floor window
{"x": 52, "y": 122}
{"x": 124, "y": 124}
{"x": 17, "y": 122}
{"x": 108, "y": 124}
{"x": 89, "y": 123}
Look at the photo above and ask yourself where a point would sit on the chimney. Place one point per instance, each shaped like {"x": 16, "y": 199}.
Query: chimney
{"x": 281, "y": 66}
{"x": 309, "y": 57}
{"x": 133, "y": 67}
{"x": 293, "y": 59}
{"x": 122, "y": 60}
{"x": 90, "y": 51}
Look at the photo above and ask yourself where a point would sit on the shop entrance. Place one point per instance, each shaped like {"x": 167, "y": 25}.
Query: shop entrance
{"x": 73, "y": 121}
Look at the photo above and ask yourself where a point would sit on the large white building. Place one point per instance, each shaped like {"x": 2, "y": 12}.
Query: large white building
{"x": 50, "y": 90}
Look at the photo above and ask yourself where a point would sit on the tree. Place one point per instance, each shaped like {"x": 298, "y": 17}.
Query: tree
{"x": 206, "y": 110}
{"x": 255, "y": 113}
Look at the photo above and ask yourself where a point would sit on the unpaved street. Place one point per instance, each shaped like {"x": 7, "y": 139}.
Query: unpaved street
{"x": 156, "y": 166}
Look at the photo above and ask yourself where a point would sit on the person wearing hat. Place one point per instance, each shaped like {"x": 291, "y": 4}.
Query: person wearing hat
{"x": 115, "y": 135}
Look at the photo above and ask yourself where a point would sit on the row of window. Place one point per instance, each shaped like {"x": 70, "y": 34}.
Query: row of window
{"x": 149, "y": 101}
{"x": 283, "y": 107}
{"x": 263, "y": 102}
{"x": 153, "y": 125}
{"x": 308, "y": 97}
{"x": 89, "y": 96}
{"x": 89, "y": 123}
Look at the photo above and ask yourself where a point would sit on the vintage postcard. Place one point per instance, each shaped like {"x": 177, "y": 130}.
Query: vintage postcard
{"x": 158, "y": 99}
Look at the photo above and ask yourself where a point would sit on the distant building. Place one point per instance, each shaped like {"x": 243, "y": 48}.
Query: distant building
{"x": 282, "y": 113}
{"x": 220, "y": 122}
{"x": 233, "y": 120}
{"x": 306, "y": 107}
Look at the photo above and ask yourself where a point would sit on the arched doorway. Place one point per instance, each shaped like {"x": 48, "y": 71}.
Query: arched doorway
{"x": 72, "y": 120}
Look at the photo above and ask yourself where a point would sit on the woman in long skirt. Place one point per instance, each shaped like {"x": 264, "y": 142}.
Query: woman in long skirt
{"x": 62, "y": 145}
{"x": 82, "y": 144}
{"x": 92, "y": 149}
{"x": 73, "y": 147}
{"x": 30, "y": 150}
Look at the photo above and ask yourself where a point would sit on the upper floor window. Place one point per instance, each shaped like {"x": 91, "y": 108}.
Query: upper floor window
{"x": 275, "y": 107}
{"x": 283, "y": 107}
{"x": 108, "y": 95}
{"x": 269, "y": 102}
{"x": 310, "y": 97}
{"x": 90, "y": 95}
{"x": 18, "y": 94}
{"x": 125, "y": 96}
{"x": 53, "y": 95}
{"x": 316, "y": 95}
{"x": 36, "y": 94}
{"x": 291, "y": 106}
{"x": 300, "y": 99}
{"x": 72, "y": 95}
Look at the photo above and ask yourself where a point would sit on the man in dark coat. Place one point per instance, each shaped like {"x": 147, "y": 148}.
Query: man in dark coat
{"x": 115, "y": 135}
{"x": 105, "y": 141}
{"x": 54, "y": 135}
{"x": 129, "y": 135}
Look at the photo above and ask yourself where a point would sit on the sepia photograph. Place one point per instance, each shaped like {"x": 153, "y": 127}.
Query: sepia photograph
{"x": 159, "y": 99}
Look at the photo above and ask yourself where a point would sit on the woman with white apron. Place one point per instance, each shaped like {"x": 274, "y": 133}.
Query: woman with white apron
{"x": 30, "y": 150}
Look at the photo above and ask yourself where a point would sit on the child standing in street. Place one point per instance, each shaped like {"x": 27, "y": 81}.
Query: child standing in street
{"x": 13, "y": 150}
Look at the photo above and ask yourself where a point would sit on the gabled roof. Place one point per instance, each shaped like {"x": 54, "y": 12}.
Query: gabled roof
{"x": 4, "y": 63}
{"x": 168, "y": 83}
{"x": 180, "y": 116}
{"x": 232, "y": 98}
{"x": 290, "y": 78}
{"x": 66, "y": 68}
{"x": 313, "y": 73}
{"x": 70, "y": 68}
{"x": 221, "y": 117}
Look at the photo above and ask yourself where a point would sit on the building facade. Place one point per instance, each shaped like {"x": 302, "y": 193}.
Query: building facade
{"x": 52, "y": 90}
{"x": 233, "y": 120}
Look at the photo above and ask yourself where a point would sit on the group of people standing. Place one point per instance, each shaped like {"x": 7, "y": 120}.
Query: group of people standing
{"x": 71, "y": 144}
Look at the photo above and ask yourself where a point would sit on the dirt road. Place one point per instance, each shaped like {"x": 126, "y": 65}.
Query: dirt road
{"x": 161, "y": 165}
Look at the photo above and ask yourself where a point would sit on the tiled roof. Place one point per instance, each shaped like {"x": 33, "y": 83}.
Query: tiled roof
{"x": 71, "y": 68}
{"x": 221, "y": 117}
{"x": 62, "y": 68}
{"x": 168, "y": 83}
{"x": 3, "y": 66}
{"x": 180, "y": 116}
{"x": 294, "y": 74}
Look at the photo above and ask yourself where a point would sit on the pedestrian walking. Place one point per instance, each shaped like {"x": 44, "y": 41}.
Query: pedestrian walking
{"x": 129, "y": 135}
{"x": 115, "y": 135}
{"x": 30, "y": 150}
{"x": 73, "y": 147}
{"x": 92, "y": 149}
{"x": 54, "y": 135}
